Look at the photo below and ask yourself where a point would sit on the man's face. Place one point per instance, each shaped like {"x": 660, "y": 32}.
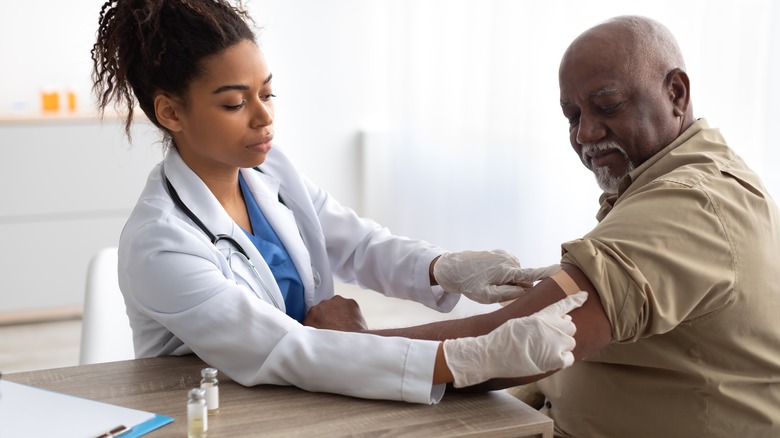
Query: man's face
{"x": 619, "y": 115}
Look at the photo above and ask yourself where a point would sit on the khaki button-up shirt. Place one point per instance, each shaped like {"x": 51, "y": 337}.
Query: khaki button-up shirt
{"x": 686, "y": 261}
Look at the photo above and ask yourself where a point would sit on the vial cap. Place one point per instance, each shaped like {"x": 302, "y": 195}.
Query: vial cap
{"x": 197, "y": 394}
{"x": 210, "y": 373}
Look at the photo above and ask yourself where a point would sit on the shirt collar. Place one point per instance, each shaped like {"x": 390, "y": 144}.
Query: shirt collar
{"x": 646, "y": 171}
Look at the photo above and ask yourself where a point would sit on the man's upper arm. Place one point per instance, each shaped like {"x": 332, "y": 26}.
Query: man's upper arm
{"x": 594, "y": 331}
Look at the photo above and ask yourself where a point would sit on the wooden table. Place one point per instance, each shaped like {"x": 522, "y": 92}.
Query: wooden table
{"x": 160, "y": 385}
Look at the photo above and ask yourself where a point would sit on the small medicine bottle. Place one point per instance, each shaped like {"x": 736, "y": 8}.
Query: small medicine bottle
{"x": 50, "y": 100}
{"x": 210, "y": 384}
{"x": 197, "y": 418}
{"x": 71, "y": 97}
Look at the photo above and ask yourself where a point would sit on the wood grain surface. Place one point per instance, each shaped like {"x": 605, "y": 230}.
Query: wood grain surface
{"x": 160, "y": 385}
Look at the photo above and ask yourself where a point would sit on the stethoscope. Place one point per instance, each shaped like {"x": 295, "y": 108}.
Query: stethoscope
{"x": 217, "y": 237}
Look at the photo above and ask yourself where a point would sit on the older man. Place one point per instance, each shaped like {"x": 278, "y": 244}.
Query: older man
{"x": 684, "y": 257}
{"x": 681, "y": 334}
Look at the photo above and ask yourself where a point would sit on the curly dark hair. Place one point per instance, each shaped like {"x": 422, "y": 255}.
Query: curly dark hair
{"x": 145, "y": 47}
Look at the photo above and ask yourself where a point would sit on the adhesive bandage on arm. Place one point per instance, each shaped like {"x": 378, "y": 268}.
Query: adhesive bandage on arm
{"x": 565, "y": 282}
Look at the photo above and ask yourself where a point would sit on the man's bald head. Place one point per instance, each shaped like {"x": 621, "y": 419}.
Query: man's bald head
{"x": 642, "y": 46}
{"x": 626, "y": 95}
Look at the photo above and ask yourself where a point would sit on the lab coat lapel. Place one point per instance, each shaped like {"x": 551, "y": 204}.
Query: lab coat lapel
{"x": 265, "y": 189}
{"x": 196, "y": 195}
{"x": 198, "y": 198}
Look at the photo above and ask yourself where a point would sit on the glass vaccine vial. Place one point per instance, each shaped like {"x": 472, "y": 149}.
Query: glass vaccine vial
{"x": 210, "y": 384}
{"x": 197, "y": 418}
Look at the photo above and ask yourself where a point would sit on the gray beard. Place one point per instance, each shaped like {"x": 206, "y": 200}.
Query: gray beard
{"x": 607, "y": 181}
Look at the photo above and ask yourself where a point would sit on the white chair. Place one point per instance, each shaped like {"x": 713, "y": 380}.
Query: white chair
{"x": 105, "y": 331}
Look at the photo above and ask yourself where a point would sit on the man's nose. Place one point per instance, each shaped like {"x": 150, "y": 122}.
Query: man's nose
{"x": 590, "y": 130}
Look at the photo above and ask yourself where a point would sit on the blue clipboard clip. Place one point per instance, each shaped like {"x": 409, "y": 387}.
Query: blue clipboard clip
{"x": 147, "y": 426}
{"x": 138, "y": 430}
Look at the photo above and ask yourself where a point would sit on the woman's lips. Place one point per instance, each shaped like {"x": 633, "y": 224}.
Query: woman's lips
{"x": 262, "y": 144}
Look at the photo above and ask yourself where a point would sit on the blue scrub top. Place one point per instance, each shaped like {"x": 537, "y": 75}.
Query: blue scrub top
{"x": 275, "y": 255}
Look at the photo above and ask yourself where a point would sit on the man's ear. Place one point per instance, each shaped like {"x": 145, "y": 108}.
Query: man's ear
{"x": 679, "y": 88}
{"x": 167, "y": 110}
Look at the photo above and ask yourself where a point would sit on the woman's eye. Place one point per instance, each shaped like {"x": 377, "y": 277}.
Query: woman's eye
{"x": 267, "y": 97}
{"x": 234, "y": 107}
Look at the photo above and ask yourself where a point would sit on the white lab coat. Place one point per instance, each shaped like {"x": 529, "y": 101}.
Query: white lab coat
{"x": 184, "y": 294}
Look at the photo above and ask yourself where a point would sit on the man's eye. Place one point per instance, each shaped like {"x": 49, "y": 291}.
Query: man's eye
{"x": 573, "y": 119}
{"x": 234, "y": 107}
{"x": 610, "y": 109}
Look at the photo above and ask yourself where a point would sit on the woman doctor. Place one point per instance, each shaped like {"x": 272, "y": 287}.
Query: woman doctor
{"x": 229, "y": 245}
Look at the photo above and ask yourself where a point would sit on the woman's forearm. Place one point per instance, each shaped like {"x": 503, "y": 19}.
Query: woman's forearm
{"x": 441, "y": 372}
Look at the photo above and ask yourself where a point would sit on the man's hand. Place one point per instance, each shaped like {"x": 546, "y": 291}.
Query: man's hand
{"x": 486, "y": 276}
{"x": 337, "y": 313}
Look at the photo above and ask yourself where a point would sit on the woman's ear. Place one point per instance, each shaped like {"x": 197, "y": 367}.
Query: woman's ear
{"x": 679, "y": 91}
{"x": 167, "y": 110}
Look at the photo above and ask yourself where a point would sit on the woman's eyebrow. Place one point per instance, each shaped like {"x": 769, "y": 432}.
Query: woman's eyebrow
{"x": 231, "y": 87}
{"x": 239, "y": 87}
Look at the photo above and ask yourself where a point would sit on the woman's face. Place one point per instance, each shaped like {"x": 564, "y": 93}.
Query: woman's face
{"x": 228, "y": 120}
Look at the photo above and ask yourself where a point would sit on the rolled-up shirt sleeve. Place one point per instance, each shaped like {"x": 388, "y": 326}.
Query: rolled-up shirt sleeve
{"x": 653, "y": 274}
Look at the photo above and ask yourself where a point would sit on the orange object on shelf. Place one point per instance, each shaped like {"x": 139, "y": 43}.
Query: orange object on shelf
{"x": 50, "y": 101}
{"x": 71, "y": 101}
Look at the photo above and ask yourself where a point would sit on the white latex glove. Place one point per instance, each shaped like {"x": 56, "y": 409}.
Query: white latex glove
{"x": 519, "y": 347}
{"x": 487, "y": 276}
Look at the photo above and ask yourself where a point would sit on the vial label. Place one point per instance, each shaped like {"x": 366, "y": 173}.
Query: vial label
{"x": 212, "y": 396}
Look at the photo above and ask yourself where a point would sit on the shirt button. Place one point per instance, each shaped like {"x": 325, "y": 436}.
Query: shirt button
{"x": 548, "y": 405}
{"x": 317, "y": 279}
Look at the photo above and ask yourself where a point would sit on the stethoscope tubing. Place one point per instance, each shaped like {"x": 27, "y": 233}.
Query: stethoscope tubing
{"x": 214, "y": 238}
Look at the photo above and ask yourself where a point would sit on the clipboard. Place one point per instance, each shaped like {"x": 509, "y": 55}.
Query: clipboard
{"x": 27, "y": 411}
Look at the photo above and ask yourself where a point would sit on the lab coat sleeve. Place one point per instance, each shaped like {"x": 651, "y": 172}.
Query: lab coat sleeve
{"x": 177, "y": 279}
{"x": 362, "y": 251}
{"x": 362, "y": 373}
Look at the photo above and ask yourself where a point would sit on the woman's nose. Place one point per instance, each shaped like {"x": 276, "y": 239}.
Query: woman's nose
{"x": 264, "y": 114}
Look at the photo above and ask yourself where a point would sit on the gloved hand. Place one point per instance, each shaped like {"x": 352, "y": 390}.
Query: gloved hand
{"x": 487, "y": 276}
{"x": 519, "y": 347}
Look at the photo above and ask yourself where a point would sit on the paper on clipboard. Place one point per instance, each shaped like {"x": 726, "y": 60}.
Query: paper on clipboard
{"x": 26, "y": 411}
